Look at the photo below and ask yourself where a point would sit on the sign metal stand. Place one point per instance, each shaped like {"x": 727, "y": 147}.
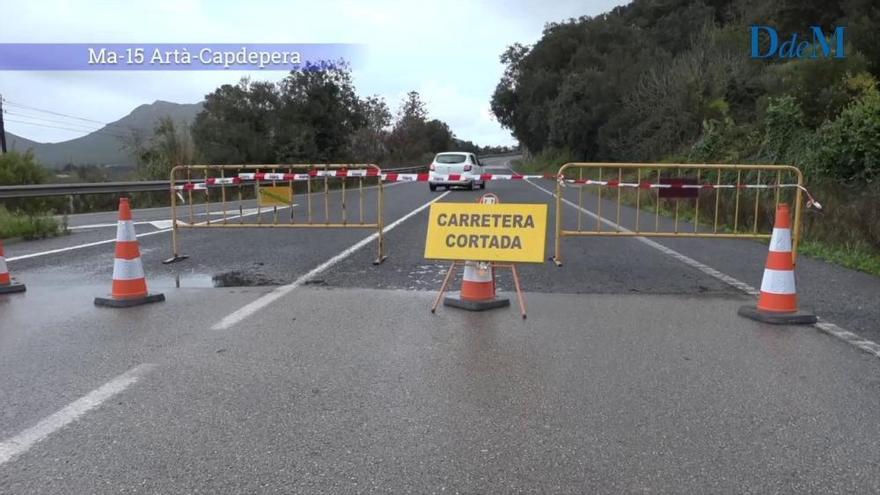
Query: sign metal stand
{"x": 449, "y": 273}
{"x": 488, "y": 198}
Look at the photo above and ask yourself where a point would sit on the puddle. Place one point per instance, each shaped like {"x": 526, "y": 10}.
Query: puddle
{"x": 181, "y": 280}
{"x": 201, "y": 281}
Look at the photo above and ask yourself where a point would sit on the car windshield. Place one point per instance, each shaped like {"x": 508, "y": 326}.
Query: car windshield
{"x": 450, "y": 158}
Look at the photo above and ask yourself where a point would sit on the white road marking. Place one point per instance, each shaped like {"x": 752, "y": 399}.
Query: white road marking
{"x": 108, "y": 241}
{"x": 848, "y": 337}
{"x": 824, "y": 326}
{"x": 136, "y": 211}
{"x": 78, "y": 246}
{"x": 165, "y": 224}
{"x": 28, "y": 438}
{"x": 260, "y": 303}
{"x": 100, "y": 225}
{"x": 161, "y": 224}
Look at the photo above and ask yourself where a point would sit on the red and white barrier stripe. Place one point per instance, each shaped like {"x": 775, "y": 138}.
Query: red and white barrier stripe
{"x": 433, "y": 177}
{"x": 387, "y": 177}
{"x": 613, "y": 183}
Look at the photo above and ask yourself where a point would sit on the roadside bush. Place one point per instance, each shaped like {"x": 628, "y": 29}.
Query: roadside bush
{"x": 548, "y": 160}
{"x": 849, "y": 147}
{"x": 27, "y": 226}
{"x": 19, "y": 169}
{"x": 787, "y": 140}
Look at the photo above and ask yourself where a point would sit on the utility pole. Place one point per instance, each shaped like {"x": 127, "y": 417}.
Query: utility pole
{"x": 2, "y": 129}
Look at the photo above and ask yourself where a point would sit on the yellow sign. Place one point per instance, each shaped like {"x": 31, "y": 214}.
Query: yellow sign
{"x": 487, "y": 232}
{"x": 275, "y": 195}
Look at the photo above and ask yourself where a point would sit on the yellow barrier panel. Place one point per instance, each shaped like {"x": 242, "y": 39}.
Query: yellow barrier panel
{"x": 275, "y": 195}
{"x": 487, "y": 232}
{"x": 220, "y": 196}
{"x": 675, "y": 200}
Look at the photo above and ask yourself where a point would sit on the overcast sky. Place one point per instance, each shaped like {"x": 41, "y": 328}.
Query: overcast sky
{"x": 448, "y": 51}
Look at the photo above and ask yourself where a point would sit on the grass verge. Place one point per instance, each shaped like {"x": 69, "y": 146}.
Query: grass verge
{"x": 855, "y": 257}
{"x": 28, "y": 226}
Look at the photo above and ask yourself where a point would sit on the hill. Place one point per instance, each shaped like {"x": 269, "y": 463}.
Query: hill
{"x": 105, "y": 146}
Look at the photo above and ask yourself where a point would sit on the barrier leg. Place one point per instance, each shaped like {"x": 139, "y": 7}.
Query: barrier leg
{"x": 443, "y": 287}
{"x": 175, "y": 253}
{"x": 557, "y": 256}
{"x": 519, "y": 294}
{"x": 381, "y": 204}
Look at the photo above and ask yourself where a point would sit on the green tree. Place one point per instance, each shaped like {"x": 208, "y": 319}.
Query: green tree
{"x": 310, "y": 116}
{"x": 170, "y": 146}
{"x": 368, "y": 144}
{"x": 409, "y": 136}
{"x": 314, "y": 115}
{"x": 238, "y": 124}
{"x": 319, "y": 113}
{"x": 439, "y": 136}
{"x": 19, "y": 169}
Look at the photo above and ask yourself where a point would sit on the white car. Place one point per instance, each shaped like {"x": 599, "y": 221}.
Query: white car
{"x": 458, "y": 162}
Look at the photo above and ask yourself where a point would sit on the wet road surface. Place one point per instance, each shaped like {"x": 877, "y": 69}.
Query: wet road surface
{"x": 632, "y": 373}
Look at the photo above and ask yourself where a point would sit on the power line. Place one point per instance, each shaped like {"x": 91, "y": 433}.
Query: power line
{"x": 51, "y": 121}
{"x": 18, "y": 105}
{"x": 14, "y": 104}
{"x": 66, "y": 128}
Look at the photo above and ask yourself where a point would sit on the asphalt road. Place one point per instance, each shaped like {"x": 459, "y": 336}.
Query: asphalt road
{"x": 632, "y": 373}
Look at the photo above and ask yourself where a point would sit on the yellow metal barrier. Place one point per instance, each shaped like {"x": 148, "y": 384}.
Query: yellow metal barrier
{"x": 274, "y": 188}
{"x": 676, "y": 197}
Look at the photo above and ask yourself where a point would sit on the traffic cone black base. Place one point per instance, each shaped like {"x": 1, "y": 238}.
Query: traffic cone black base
{"x": 12, "y": 287}
{"x": 127, "y": 303}
{"x": 800, "y": 317}
{"x": 471, "y": 305}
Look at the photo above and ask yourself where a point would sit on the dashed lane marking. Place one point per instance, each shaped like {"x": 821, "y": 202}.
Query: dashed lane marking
{"x": 260, "y": 303}
{"x": 20, "y": 443}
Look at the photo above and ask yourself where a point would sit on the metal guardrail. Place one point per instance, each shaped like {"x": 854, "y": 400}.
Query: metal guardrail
{"x": 78, "y": 188}
{"x": 44, "y": 190}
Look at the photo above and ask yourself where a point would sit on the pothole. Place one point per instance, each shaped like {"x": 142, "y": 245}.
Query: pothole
{"x": 241, "y": 279}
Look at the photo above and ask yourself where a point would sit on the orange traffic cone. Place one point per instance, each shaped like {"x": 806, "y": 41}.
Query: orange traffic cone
{"x": 778, "y": 300}
{"x": 478, "y": 281}
{"x": 7, "y": 286}
{"x": 129, "y": 282}
{"x": 477, "y": 289}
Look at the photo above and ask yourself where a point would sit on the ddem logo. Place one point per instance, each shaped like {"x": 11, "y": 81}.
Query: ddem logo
{"x": 819, "y": 46}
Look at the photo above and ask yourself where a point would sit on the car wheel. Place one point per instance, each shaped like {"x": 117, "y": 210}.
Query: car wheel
{"x": 483, "y": 185}
{"x": 432, "y": 187}
{"x": 471, "y": 186}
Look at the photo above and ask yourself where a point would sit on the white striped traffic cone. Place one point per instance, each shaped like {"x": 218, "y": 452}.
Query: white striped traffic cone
{"x": 129, "y": 283}
{"x": 478, "y": 281}
{"x": 778, "y": 300}
{"x": 7, "y": 285}
{"x": 477, "y": 289}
